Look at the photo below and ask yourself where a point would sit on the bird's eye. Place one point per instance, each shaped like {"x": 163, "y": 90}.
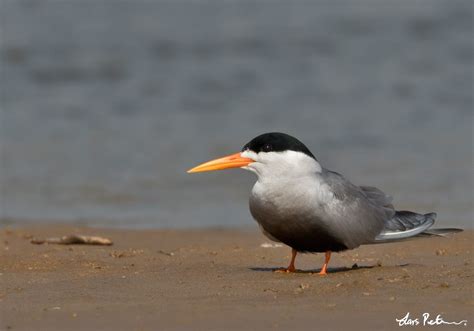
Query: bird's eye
{"x": 267, "y": 148}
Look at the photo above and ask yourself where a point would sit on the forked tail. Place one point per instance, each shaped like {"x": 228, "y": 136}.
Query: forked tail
{"x": 406, "y": 225}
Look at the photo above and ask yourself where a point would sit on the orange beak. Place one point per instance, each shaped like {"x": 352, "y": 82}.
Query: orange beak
{"x": 226, "y": 162}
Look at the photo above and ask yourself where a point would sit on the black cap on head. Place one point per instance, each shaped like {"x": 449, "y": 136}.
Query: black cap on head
{"x": 276, "y": 142}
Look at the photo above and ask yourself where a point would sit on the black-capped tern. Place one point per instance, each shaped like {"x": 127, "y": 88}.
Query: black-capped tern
{"x": 300, "y": 203}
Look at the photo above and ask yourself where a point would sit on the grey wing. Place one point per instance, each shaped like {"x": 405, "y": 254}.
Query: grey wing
{"x": 341, "y": 188}
{"x": 396, "y": 225}
{"x": 379, "y": 199}
{"x": 345, "y": 190}
{"x": 377, "y": 196}
{"x": 361, "y": 211}
{"x": 399, "y": 224}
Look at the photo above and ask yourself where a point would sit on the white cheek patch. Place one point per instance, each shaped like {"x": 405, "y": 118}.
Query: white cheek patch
{"x": 290, "y": 160}
{"x": 277, "y": 165}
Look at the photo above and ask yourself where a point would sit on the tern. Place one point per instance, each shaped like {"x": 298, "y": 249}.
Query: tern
{"x": 311, "y": 209}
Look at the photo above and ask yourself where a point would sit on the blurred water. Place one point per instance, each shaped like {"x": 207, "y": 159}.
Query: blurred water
{"x": 105, "y": 104}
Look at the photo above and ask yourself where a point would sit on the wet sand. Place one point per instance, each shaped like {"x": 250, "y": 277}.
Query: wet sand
{"x": 217, "y": 279}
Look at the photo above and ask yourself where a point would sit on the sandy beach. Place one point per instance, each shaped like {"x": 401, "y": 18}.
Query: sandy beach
{"x": 105, "y": 106}
{"x": 216, "y": 279}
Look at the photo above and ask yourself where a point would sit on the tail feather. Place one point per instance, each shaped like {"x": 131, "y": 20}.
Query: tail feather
{"x": 440, "y": 232}
{"x": 405, "y": 225}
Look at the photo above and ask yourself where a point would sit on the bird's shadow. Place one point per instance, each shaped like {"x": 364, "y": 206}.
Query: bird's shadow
{"x": 314, "y": 271}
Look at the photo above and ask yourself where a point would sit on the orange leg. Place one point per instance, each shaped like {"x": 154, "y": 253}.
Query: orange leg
{"x": 291, "y": 267}
{"x": 324, "y": 269}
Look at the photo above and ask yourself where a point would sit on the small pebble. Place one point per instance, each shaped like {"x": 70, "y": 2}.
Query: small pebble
{"x": 270, "y": 245}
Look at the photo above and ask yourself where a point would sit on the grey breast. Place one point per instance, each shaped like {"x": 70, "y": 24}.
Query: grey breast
{"x": 294, "y": 212}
